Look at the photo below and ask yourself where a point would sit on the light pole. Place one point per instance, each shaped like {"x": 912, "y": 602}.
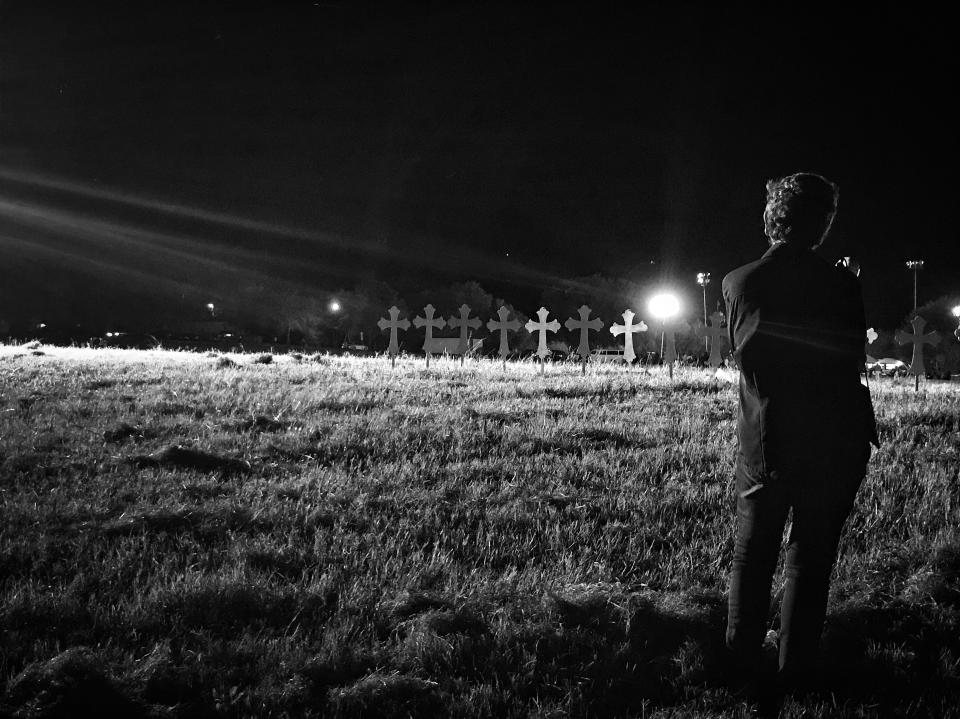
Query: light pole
{"x": 916, "y": 266}
{"x": 334, "y": 307}
{"x": 956, "y": 313}
{"x": 703, "y": 279}
{"x": 663, "y": 307}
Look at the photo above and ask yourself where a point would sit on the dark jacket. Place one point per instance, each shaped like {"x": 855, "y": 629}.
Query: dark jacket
{"x": 797, "y": 328}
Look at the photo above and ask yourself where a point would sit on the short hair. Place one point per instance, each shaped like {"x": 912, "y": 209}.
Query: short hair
{"x": 800, "y": 208}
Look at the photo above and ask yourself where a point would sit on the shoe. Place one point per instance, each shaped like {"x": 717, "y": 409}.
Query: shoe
{"x": 756, "y": 681}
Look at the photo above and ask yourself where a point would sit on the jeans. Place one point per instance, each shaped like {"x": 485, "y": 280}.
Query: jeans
{"x": 821, "y": 494}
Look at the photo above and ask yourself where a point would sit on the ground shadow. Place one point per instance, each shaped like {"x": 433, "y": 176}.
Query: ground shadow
{"x": 591, "y": 653}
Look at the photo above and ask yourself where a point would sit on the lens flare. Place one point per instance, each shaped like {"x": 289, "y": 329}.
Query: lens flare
{"x": 433, "y": 253}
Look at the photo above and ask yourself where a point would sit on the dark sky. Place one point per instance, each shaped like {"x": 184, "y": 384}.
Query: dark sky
{"x": 153, "y": 152}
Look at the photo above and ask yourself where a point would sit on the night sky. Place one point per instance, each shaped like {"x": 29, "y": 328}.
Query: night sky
{"x": 155, "y": 155}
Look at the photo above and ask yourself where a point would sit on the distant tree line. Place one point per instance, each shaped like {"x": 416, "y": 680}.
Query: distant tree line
{"x": 285, "y": 313}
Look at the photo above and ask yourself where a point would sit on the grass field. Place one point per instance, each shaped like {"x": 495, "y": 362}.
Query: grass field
{"x": 188, "y": 535}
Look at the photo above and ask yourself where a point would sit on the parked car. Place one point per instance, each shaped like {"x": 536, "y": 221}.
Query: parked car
{"x": 888, "y": 367}
{"x": 129, "y": 340}
{"x": 356, "y": 349}
{"x": 530, "y": 355}
{"x": 606, "y": 356}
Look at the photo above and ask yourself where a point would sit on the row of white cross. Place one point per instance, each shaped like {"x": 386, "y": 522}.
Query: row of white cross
{"x": 714, "y": 332}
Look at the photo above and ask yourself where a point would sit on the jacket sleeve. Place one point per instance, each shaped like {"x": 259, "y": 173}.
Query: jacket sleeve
{"x": 858, "y": 340}
{"x": 743, "y": 325}
{"x": 860, "y": 326}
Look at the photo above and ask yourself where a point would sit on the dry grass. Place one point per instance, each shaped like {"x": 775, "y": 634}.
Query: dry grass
{"x": 188, "y": 536}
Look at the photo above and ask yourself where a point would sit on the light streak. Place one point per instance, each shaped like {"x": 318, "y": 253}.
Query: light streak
{"x": 435, "y": 254}
{"x": 115, "y": 236}
{"x": 135, "y": 277}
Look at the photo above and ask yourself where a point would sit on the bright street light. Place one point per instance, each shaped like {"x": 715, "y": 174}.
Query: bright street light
{"x": 663, "y": 307}
{"x": 334, "y": 306}
{"x": 956, "y": 311}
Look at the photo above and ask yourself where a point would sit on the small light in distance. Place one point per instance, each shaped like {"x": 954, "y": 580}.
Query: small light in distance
{"x": 334, "y": 306}
{"x": 664, "y": 307}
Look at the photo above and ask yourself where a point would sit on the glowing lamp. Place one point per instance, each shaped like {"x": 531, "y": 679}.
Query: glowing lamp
{"x": 956, "y": 311}
{"x": 663, "y": 307}
{"x": 334, "y": 306}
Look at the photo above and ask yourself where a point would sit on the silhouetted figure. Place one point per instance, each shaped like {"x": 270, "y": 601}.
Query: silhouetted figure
{"x": 797, "y": 328}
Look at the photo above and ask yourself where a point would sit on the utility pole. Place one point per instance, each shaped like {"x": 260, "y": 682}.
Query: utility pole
{"x": 916, "y": 266}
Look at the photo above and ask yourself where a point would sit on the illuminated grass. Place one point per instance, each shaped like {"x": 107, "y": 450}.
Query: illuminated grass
{"x": 322, "y": 536}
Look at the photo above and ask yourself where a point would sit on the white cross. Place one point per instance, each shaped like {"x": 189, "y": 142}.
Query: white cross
{"x": 393, "y": 324}
{"x": 503, "y": 326}
{"x": 627, "y": 329}
{"x": 918, "y": 339}
{"x": 430, "y": 323}
{"x": 464, "y": 324}
{"x": 717, "y": 336}
{"x": 542, "y": 327}
{"x": 584, "y": 325}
